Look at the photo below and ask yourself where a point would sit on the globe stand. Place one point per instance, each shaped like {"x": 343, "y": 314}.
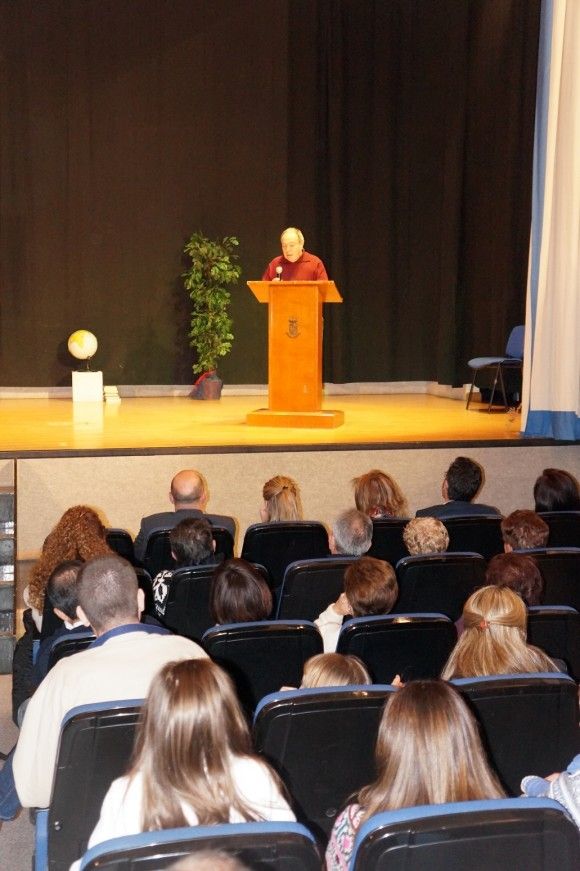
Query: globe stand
{"x": 87, "y": 386}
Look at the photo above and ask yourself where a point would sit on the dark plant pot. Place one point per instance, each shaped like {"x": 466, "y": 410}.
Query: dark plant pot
{"x": 207, "y": 386}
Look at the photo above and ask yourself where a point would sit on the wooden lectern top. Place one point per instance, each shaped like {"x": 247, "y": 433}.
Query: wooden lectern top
{"x": 261, "y": 289}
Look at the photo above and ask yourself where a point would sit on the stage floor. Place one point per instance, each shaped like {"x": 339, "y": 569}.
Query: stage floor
{"x": 168, "y": 424}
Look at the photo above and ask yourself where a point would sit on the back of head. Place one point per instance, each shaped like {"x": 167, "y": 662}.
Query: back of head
{"x": 523, "y": 529}
{"x": 556, "y": 490}
{"x": 519, "y": 572}
{"x": 428, "y": 751}
{"x": 239, "y": 593}
{"x": 191, "y": 541}
{"x": 371, "y": 586}
{"x": 107, "y": 593}
{"x": 464, "y": 479}
{"x": 189, "y": 488}
{"x": 62, "y": 588}
{"x": 334, "y": 670}
{"x": 425, "y": 535}
{"x": 353, "y": 532}
{"x": 282, "y": 499}
{"x": 209, "y": 860}
{"x": 379, "y": 495}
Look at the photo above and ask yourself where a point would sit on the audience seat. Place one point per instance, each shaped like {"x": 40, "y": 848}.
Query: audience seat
{"x": 276, "y": 545}
{"x": 261, "y": 657}
{"x": 275, "y": 846}
{"x": 66, "y": 645}
{"x": 95, "y": 747}
{"x": 556, "y": 630}
{"x": 564, "y": 528}
{"x": 560, "y": 568}
{"x": 440, "y": 582}
{"x": 310, "y": 586}
{"x": 478, "y": 533}
{"x": 321, "y": 741}
{"x": 411, "y": 645}
{"x": 121, "y": 542}
{"x": 387, "y": 540}
{"x": 498, "y": 834}
{"x": 158, "y": 550}
{"x": 529, "y": 722}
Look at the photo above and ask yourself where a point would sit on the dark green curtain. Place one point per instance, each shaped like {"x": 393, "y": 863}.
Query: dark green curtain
{"x": 397, "y": 134}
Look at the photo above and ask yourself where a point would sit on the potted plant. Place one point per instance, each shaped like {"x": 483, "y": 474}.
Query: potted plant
{"x": 213, "y": 267}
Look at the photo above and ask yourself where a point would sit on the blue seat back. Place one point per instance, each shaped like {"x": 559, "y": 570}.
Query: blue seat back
{"x": 515, "y": 342}
{"x": 68, "y": 644}
{"x": 310, "y": 586}
{"x": 276, "y": 545}
{"x": 158, "y": 549}
{"x": 440, "y": 582}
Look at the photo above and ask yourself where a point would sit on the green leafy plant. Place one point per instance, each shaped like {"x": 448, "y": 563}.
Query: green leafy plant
{"x": 213, "y": 267}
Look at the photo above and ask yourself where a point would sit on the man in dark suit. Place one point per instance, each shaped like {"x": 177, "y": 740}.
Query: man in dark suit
{"x": 461, "y": 485}
{"x": 189, "y": 494}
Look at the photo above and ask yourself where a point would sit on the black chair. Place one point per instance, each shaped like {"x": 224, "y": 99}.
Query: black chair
{"x": 121, "y": 542}
{"x": 275, "y": 846}
{"x": 512, "y": 359}
{"x": 529, "y": 722}
{"x": 493, "y": 835}
{"x": 440, "y": 582}
{"x": 387, "y": 540}
{"x": 158, "y": 550}
{"x": 68, "y": 644}
{"x": 560, "y": 568}
{"x": 276, "y": 545}
{"x": 262, "y": 657}
{"x": 321, "y": 742}
{"x": 309, "y": 586}
{"x": 411, "y": 645}
{"x": 478, "y": 534}
{"x": 96, "y": 742}
{"x": 556, "y": 629}
{"x": 564, "y": 528}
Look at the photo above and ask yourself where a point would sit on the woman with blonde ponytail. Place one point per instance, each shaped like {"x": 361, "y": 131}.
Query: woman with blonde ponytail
{"x": 494, "y": 638}
{"x": 281, "y": 500}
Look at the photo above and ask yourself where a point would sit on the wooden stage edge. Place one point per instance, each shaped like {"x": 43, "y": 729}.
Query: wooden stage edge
{"x": 57, "y": 427}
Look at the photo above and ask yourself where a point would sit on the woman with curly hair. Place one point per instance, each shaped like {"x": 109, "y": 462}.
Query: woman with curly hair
{"x": 78, "y": 535}
{"x": 379, "y": 495}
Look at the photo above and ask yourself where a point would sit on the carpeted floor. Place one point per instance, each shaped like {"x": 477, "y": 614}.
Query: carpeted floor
{"x": 16, "y": 837}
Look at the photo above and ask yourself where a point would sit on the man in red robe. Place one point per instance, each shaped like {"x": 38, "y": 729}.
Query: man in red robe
{"x": 294, "y": 264}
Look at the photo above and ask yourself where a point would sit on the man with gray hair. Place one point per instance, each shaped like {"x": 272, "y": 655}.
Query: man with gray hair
{"x": 294, "y": 264}
{"x": 352, "y": 533}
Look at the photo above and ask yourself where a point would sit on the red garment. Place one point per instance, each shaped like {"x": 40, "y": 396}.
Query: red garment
{"x": 307, "y": 268}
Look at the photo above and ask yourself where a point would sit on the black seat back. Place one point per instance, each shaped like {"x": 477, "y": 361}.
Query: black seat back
{"x": 262, "y": 657}
{"x": 564, "y": 528}
{"x": 527, "y": 720}
{"x": 556, "y": 630}
{"x": 310, "y": 586}
{"x": 276, "y": 545}
{"x": 479, "y": 534}
{"x": 121, "y": 542}
{"x": 560, "y": 568}
{"x": 322, "y": 743}
{"x": 68, "y": 644}
{"x": 439, "y": 582}
{"x": 158, "y": 549}
{"x": 412, "y": 645}
{"x": 387, "y": 540}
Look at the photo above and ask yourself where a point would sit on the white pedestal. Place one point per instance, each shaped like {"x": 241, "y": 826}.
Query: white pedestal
{"x": 87, "y": 386}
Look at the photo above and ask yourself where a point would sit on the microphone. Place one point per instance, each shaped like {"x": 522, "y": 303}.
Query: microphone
{"x": 278, "y": 273}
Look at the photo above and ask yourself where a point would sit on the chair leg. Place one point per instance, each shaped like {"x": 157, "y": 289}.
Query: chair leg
{"x": 471, "y": 389}
{"x": 494, "y": 386}
{"x": 501, "y": 381}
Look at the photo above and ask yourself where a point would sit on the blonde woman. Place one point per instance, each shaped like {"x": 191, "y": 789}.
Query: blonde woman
{"x": 428, "y": 752}
{"x": 379, "y": 495}
{"x": 281, "y": 500}
{"x": 493, "y": 640}
{"x": 193, "y": 762}
{"x": 333, "y": 670}
{"x": 425, "y": 535}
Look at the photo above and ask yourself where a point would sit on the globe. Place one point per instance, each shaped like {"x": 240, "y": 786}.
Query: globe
{"x": 82, "y": 344}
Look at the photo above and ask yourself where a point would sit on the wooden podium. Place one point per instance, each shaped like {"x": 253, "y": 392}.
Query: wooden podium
{"x": 295, "y": 353}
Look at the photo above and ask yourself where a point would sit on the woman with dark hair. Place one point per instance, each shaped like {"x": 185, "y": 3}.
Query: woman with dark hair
{"x": 378, "y": 495}
{"x": 519, "y": 572}
{"x": 239, "y": 593}
{"x": 556, "y": 490}
{"x": 428, "y": 751}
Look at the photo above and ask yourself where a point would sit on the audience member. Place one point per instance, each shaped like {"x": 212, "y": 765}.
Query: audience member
{"x": 463, "y": 481}
{"x": 193, "y": 762}
{"x": 333, "y": 670}
{"x": 563, "y": 787}
{"x": 62, "y": 592}
{"x": 428, "y": 752}
{"x": 79, "y": 534}
{"x": 281, "y": 500}
{"x": 239, "y": 593}
{"x": 425, "y": 535}
{"x": 520, "y": 573}
{"x": 370, "y": 587}
{"x": 523, "y": 529}
{"x": 556, "y": 490}
{"x": 191, "y": 544}
{"x": 352, "y": 533}
{"x": 379, "y": 495}
{"x": 118, "y": 665}
{"x": 493, "y": 640}
{"x": 189, "y": 495}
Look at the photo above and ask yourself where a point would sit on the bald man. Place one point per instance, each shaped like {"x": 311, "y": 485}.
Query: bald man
{"x": 189, "y": 496}
{"x": 294, "y": 264}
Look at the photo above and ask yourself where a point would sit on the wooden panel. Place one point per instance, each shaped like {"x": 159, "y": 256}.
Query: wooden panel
{"x": 295, "y": 348}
